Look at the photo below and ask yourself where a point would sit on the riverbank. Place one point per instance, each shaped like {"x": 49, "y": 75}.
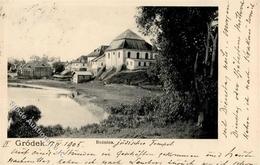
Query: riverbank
{"x": 133, "y": 112}
{"x": 96, "y": 92}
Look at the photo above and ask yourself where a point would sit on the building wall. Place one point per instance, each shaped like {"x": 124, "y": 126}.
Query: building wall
{"x": 75, "y": 66}
{"x": 40, "y": 72}
{"x": 98, "y": 64}
{"x": 142, "y": 54}
{"x": 90, "y": 59}
{"x": 132, "y": 64}
{"x": 26, "y": 72}
{"x": 36, "y": 72}
{"x": 114, "y": 58}
{"x": 117, "y": 58}
{"x": 81, "y": 78}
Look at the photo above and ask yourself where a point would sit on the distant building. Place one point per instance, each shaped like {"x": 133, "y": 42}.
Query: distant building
{"x": 65, "y": 75}
{"x": 81, "y": 76}
{"x": 131, "y": 50}
{"x": 96, "y": 59}
{"x": 97, "y": 63}
{"x": 35, "y": 69}
{"x": 96, "y": 53}
{"x": 80, "y": 64}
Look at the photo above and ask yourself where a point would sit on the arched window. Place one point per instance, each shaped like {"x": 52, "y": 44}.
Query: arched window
{"x": 139, "y": 63}
{"x": 146, "y": 55}
{"x": 137, "y": 55}
{"x": 129, "y": 55}
{"x": 144, "y": 63}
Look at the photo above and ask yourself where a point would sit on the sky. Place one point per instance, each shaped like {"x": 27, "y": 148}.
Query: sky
{"x": 65, "y": 30}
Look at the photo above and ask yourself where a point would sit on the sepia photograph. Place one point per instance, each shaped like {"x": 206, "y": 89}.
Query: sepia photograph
{"x": 79, "y": 71}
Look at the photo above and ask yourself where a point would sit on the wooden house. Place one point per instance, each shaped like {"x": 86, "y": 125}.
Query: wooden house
{"x": 35, "y": 70}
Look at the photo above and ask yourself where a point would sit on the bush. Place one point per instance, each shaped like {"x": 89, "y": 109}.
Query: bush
{"x": 153, "y": 73}
{"x": 23, "y": 127}
{"x": 93, "y": 129}
{"x": 133, "y": 115}
{"x": 58, "y": 67}
{"x": 51, "y": 131}
{"x": 174, "y": 107}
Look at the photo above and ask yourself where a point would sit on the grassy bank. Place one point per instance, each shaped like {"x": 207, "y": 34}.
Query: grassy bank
{"x": 96, "y": 92}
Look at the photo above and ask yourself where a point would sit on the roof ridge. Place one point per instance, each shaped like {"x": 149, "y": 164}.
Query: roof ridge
{"x": 128, "y": 34}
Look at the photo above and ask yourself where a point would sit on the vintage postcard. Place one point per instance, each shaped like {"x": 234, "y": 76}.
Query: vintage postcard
{"x": 129, "y": 82}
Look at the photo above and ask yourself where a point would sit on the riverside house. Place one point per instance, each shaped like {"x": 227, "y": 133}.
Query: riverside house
{"x": 96, "y": 53}
{"x": 35, "y": 70}
{"x": 80, "y": 64}
{"x": 81, "y": 76}
{"x": 97, "y": 64}
{"x": 130, "y": 50}
{"x": 96, "y": 59}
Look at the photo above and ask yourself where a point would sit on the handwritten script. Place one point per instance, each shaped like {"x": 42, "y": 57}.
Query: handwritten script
{"x": 116, "y": 152}
{"x": 235, "y": 82}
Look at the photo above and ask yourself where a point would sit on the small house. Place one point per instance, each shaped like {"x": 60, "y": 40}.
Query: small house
{"x": 35, "y": 70}
{"x": 65, "y": 75}
{"x": 96, "y": 53}
{"x": 81, "y": 76}
{"x": 78, "y": 64}
{"x": 97, "y": 63}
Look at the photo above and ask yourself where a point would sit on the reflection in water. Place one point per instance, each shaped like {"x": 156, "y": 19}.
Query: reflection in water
{"x": 56, "y": 106}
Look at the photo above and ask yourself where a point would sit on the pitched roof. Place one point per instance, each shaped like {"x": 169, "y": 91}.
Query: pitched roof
{"x": 128, "y": 34}
{"x": 80, "y": 59}
{"x": 129, "y": 40}
{"x": 99, "y": 57}
{"x": 98, "y": 51}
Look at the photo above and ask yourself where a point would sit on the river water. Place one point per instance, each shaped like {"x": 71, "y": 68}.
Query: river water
{"x": 56, "y": 106}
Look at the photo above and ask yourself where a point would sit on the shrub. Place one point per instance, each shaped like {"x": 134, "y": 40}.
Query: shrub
{"x": 93, "y": 129}
{"x": 23, "y": 127}
{"x": 51, "y": 131}
{"x": 58, "y": 67}
{"x": 174, "y": 107}
{"x": 133, "y": 115}
{"x": 153, "y": 73}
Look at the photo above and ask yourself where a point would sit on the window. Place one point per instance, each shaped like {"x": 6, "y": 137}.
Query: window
{"x": 144, "y": 63}
{"x": 129, "y": 55}
{"x": 146, "y": 55}
{"x": 139, "y": 63}
{"x": 137, "y": 55}
{"x": 127, "y": 63}
{"x": 113, "y": 53}
{"x": 108, "y": 55}
{"x": 118, "y": 54}
{"x": 82, "y": 69}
